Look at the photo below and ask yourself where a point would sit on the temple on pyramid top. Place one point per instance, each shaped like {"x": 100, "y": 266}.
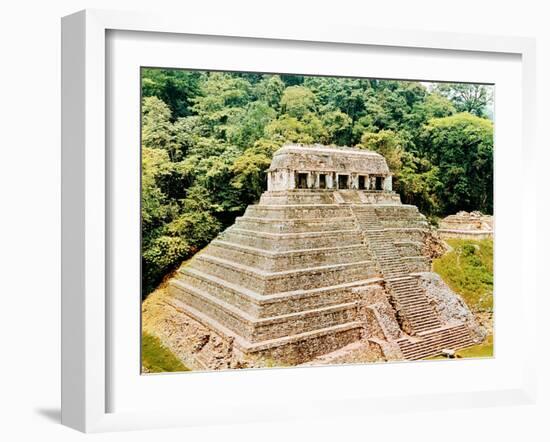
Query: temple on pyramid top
{"x": 328, "y": 168}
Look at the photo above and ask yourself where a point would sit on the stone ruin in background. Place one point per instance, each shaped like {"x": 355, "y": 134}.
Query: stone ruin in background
{"x": 464, "y": 225}
{"x": 328, "y": 257}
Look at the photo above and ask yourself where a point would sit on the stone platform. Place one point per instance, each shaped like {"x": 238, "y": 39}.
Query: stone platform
{"x": 466, "y": 225}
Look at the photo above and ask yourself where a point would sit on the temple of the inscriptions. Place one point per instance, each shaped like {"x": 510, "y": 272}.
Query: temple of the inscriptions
{"x": 329, "y": 256}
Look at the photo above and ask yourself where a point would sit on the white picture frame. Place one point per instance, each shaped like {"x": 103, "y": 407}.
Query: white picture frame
{"x": 87, "y": 211}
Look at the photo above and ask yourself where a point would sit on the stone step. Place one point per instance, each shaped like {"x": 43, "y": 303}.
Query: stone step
{"x": 390, "y": 267}
{"x": 297, "y": 211}
{"x": 288, "y": 260}
{"x": 422, "y": 328}
{"x": 275, "y": 242}
{"x": 435, "y": 348}
{"x": 410, "y": 287}
{"x": 419, "y": 345}
{"x": 261, "y": 329}
{"x": 395, "y": 274}
{"x": 352, "y": 328}
{"x": 404, "y": 285}
{"x": 274, "y": 304}
{"x": 400, "y": 270}
{"x": 418, "y": 309}
{"x": 412, "y": 290}
{"x": 455, "y": 336}
{"x": 405, "y": 294}
{"x": 414, "y": 305}
{"x": 432, "y": 342}
{"x": 408, "y": 294}
{"x": 425, "y": 316}
{"x": 404, "y": 282}
{"x": 423, "y": 324}
{"x": 447, "y": 339}
{"x": 268, "y": 282}
{"x": 412, "y": 308}
{"x": 293, "y": 225}
{"x": 426, "y": 313}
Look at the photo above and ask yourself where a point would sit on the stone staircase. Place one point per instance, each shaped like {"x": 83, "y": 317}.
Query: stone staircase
{"x": 381, "y": 243}
{"x": 432, "y": 342}
{"x": 428, "y": 335}
{"x": 413, "y": 304}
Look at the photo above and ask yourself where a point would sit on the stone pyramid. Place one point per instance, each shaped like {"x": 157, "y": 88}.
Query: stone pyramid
{"x": 328, "y": 256}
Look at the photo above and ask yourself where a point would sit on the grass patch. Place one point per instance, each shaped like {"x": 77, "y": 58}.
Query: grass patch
{"x": 156, "y": 358}
{"x": 468, "y": 270}
{"x": 483, "y": 350}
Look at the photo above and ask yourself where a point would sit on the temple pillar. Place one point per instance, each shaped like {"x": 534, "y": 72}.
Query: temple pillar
{"x": 311, "y": 178}
{"x": 290, "y": 181}
{"x": 387, "y": 186}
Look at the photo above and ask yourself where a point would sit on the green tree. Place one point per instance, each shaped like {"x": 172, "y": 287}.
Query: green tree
{"x": 270, "y": 90}
{"x": 250, "y": 174}
{"x": 344, "y": 94}
{"x": 297, "y": 101}
{"x": 157, "y": 129}
{"x": 415, "y": 179}
{"x": 244, "y": 129}
{"x": 472, "y": 98}
{"x": 177, "y": 88}
{"x": 337, "y": 126}
{"x": 223, "y": 98}
{"x": 388, "y": 144}
{"x": 461, "y": 146}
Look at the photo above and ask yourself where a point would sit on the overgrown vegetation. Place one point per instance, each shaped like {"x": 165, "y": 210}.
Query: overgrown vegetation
{"x": 208, "y": 137}
{"x": 468, "y": 270}
{"x": 156, "y": 358}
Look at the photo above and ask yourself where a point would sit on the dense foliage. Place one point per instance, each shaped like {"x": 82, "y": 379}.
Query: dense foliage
{"x": 208, "y": 137}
